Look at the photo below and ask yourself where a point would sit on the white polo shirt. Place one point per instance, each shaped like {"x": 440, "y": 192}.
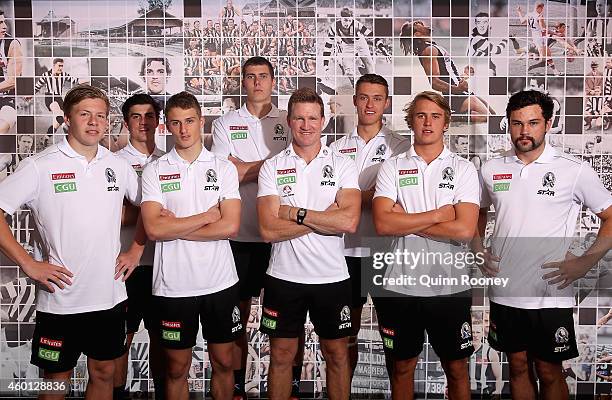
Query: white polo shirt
{"x": 185, "y": 268}
{"x": 242, "y": 135}
{"x": 138, "y": 161}
{"x": 419, "y": 187}
{"x": 313, "y": 258}
{"x": 368, "y": 157}
{"x": 536, "y": 209}
{"x": 77, "y": 209}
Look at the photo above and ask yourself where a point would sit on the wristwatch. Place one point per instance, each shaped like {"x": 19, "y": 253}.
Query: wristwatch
{"x": 301, "y": 214}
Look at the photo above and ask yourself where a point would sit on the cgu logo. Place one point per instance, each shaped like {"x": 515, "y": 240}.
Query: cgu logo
{"x": 170, "y": 187}
{"x": 65, "y": 187}
{"x": 171, "y": 335}
{"x": 283, "y": 180}
{"x": 49, "y": 355}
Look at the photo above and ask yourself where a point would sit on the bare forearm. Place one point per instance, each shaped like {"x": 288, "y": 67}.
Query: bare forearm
{"x": 220, "y": 230}
{"x": 332, "y": 222}
{"x": 451, "y": 230}
{"x": 280, "y": 230}
{"x": 390, "y": 223}
{"x": 248, "y": 171}
{"x": 171, "y": 228}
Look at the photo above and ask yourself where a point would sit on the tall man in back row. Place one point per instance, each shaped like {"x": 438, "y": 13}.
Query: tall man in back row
{"x": 308, "y": 197}
{"x": 538, "y": 192}
{"x": 248, "y": 136}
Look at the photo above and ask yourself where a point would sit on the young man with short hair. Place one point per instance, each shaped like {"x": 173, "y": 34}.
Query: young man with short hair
{"x": 191, "y": 206}
{"x": 308, "y": 197}
{"x": 75, "y": 190}
{"x": 247, "y": 137}
{"x": 427, "y": 198}
{"x": 140, "y": 118}
{"x": 538, "y": 192}
{"x": 369, "y": 145}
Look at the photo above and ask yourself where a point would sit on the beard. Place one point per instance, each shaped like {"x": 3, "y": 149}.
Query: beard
{"x": 525, "y": 148}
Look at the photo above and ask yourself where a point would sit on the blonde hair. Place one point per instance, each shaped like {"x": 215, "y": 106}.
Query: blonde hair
{"x": 434, "y": 97}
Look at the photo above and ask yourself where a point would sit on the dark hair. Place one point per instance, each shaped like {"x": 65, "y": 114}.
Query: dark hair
{"x": 305, "y": 95}
{"x": 183, "y": 100}
{"x": 148, "y": 60}
{"x": 475, "y": 30}
{"x": 346, "y": 12}
{"x": 82, "y": 92}
{"x": 405, "y": 37}
{"x": 257, "y": 60}
{"x": 140, "y": 98}
{"x": 373, "y": 78}
{"x": 57, "y": 60}
{"x": 526, "y": 98}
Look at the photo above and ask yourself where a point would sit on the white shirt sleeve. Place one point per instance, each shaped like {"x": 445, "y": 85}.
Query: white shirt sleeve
{"x": 230, "y": 184}
{"x": 385, "y": 181}
{"x": 468, "y": 186}
{"x": 266, "y": 181}
{"x": 151, "y": 189}
{"x": 221, "y": 145}
{"x": 133, "y": 189}
{"x": 485, "y": 198}
{"x": 14, "y": 193}
{"x": 590, "y": 191}
{"x": 348, "y": 177}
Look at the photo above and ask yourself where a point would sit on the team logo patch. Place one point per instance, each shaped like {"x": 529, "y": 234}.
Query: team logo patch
{"x": 466, "y": 331}
{"x": 548, "y": 183}
{"x": 500, "y": 177}
{"x": 561, "y": 335}
{"x": 325, "y": 152}
{"x": 173, "y": 336}
{"x": 169, "y": 177}
{"x": 211, "y": 175}
{"x": 62, "y": 175}
{"x": 171, "y": 324}
{"x": 279, "y": 133}
{"x": 268, "y": 322}
{"x": 448, "y": 174}
{"x": 111, "y": 178}
{"x": 238, "y": 132}
{"x": 349, "y": 152}
{"x": 408, "y": 171}
{"x": 287, "y": 191}
{"x": 328, "y": 175}
{"x": 345, "y": 317}
{"x": 51, "y": 342}
{"x": 65, "y": 187}
{"x": 170, "y": 187}
{"x": 387, "y": 331}
{"x": 409, "y": 181}
{"x": 235, "y": 315}
{"x": 381, "y": 150}
{"x": 388, "y": 342}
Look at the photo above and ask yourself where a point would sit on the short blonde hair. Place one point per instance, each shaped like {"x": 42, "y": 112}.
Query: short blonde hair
{"x": 434, "y": 97}
{"x": 82, "y": 92}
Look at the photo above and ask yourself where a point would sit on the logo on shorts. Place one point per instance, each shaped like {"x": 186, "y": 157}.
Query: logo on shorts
{"x": 388, "y": 342}
{"x": 548, "y": 183}
{"x": 49, "y": 355}
{"x": 174, "y": 336}
{"x": 561, "y": 335}
{"x": 345, "y": 317}
{"x": 448, "y": 174}
{"x": 51, "y": 342}
{"x": 270, "y": 312}
{"x": 171, "y": 324}
{"x": 235, "y": 315}
{"x": 268, "y": 322}
{"x": 466, "y": 331}
{"x": 111, "y": 178}
{"x": 328, "y": 173}
{"x": 387, "y": 331}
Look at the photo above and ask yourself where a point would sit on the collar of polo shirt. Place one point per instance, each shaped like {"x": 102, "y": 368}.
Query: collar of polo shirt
{"x": 549, "y": 155}
{"x": 384, "y": 131}
{"x": 135, "y": 152}
{"x": 244, "y": 112}
{"x": 174, "y": 158}
{"x": 412, "y": 153}
{"x": 324, "y": 151}
{"x": 65, "y": 148}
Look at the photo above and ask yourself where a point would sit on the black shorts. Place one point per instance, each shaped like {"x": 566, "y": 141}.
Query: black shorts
{"x": 403, "y": 320}
{"x": 285, "y": 305}
{"x": 178, "y": 318}
{"x": 251, "y": 259}
{"x": 139, "y": 290}
{"x": 59, "y": 339}
{"x": 362, "y": 275}
{"x": 50, "y": 98}
{"x": 547, "y": 333}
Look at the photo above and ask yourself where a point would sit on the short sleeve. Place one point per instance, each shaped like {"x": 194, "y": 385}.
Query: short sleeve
{"x": 13, "y": 192}
{"x": 468, "y": 186}
{"x": 229, "y": 189}
{"x": 266, "y": 183}
{"x": 151, "y": 189}
{"x": 348, "y": 177}
{"x": 221, "y": 145}
{"x": 485, "y": 197}
{"x": 133, "y": 189}
{"x": 590, "y": 191}
{"x": 385, "y": 181}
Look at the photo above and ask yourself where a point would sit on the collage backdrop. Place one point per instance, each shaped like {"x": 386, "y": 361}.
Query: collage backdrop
{"x": 487, "y": 51}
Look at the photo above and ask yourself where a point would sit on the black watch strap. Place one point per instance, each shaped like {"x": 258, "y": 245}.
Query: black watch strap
{"x": 301, "y": 214}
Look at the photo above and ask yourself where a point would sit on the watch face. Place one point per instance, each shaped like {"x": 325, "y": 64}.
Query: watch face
{"x": 301, "y": 212}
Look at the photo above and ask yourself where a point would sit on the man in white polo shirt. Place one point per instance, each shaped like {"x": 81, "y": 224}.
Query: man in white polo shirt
{"x": 369, "y": 145}
{"x": 191, "y": 206}
{"x": 141, "y": 118}
{"x": 75, "y": 190}
{"x": 537, "y": 192}
{"x": 308, "y": 197}
{"x": 248, "y": 136}
{"x": 428, "y": 199}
